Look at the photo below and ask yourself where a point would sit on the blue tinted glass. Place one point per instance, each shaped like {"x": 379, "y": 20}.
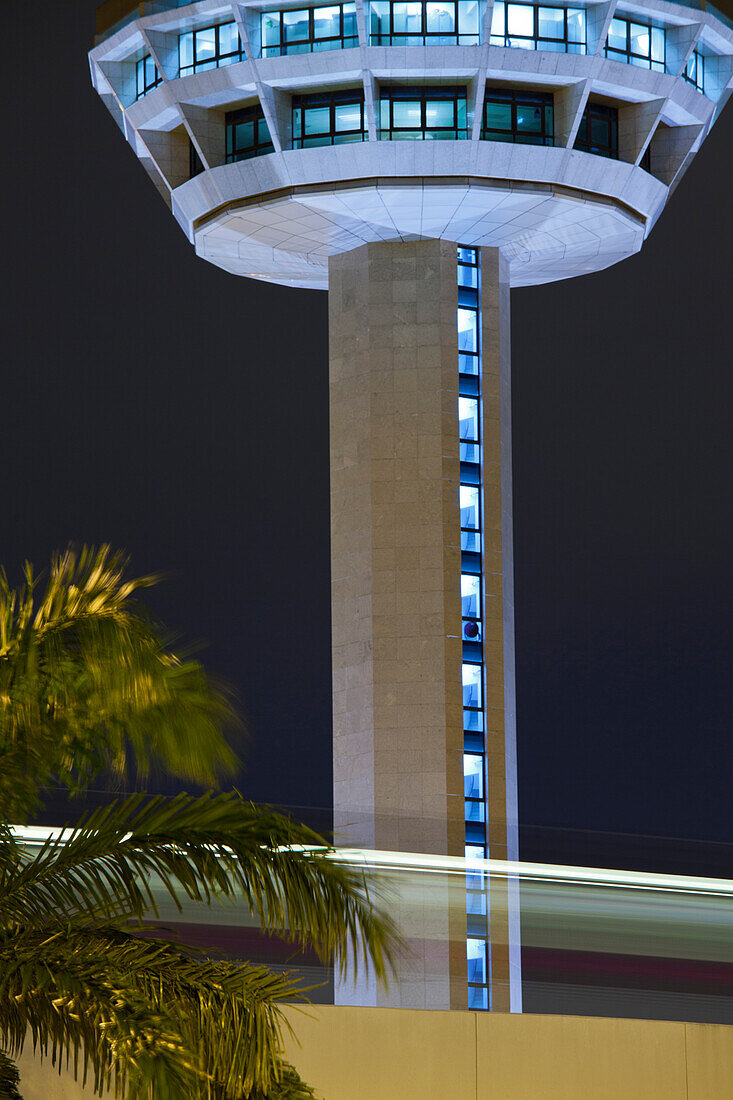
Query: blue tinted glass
{"x": 441, "y": 17}
{"x": 327, "y": 22}
{"x": 476, "y": 952}
{"x": 576, "y": 25}
{"x": 317, "y": 120}
{"x": 407, "y": 113}
{"x": 439, "y": 113}
{"x": 295, "y": 25}
{"x": 271, "y": 28}
{"x": 467, "y": 276}
{"x": 551, "y": 22}
{"x": 520, "y": 19}
{"x": 498, "y": 19}
{"x": 228, "y": 38}
{"x": 478, "y": 997}
{"x": 468, "y": 17}
{"x": 473, "y": 776}
{"x": 347, "y": 116}
{"x": 245, "y": 135}
{"x": 617, "y": 34}
{"x": 468, "y": 417}
{"x": 467, "y": 330}
{"x": 206, "y": 44}
{"x": 349, "y": 14}
{"x": 471, "y": 540}
{"x": 473, "y": 721}
{"x": 407, "y": 18}
{"x": 469, "y": 506}
{"x": 470, "y": 594}
{"x": 472, "y": 685}
{"x": 474, "y": 811}
{"x": 185, "y": 50}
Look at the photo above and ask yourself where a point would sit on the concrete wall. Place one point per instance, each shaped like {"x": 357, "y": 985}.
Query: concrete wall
{"x": 391, "y": 1054}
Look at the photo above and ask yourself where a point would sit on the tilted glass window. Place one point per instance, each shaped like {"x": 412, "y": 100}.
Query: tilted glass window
{"x": 536, "y": 27}
{"x": 526, "y": 117}
{"x": 309, "y": 30}
{"x": 636, "y": 43}
{"x": 695, "y": 71}
{"x": 209, "y": 48}
{"x": 472, "y": 685}
{"x": 195, "y": 164}
{"x": 247, "y": 134}
{"x": 598, "y": 131}
{"x": 147, "y": 76}
{"x": 433, "y": 114}
{"x": 328, "y": 118}
{"x": 424, "y": 23}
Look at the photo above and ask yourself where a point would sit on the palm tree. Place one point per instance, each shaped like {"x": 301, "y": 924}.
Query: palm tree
{"x": 145, "y": 1015}
{"x": 87, "y": 682}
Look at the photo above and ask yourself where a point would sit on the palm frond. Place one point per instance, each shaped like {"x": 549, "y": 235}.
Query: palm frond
{"x": 143, "y": 1012}
{"x": 214, "y": 846}
{"x": 87, "y": 681}
{"x": 9, "y": 1079}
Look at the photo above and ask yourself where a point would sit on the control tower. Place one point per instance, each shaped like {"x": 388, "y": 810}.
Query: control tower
{"x": 418, "y": 158}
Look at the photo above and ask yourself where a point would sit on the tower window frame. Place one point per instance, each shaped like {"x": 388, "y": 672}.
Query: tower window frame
{"x": 415, "y": 23}
{"x": 325, "y": 106}
{"x": 552, "y": 27}
{"x": 238, "y": 146}
{"x": 190, "y": 41}
{"x": 282, "y": 35}
{"x": 624, "y": 43}
{"x": 694, "y": 71}
{"x": 515, "y": 106}
{"x": 394, "y": 111}
{"x": 591, "y": 137}
{"x": 147, "y": 76}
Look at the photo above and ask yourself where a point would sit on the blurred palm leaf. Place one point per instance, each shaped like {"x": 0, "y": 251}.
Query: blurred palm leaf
{"x": 87, "y": 682}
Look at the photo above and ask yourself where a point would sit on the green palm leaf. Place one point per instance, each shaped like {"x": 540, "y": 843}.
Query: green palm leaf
{"x": 214, "y": 846}
{"x": 86, "y": 682}
{"x": 9, "y": 1079}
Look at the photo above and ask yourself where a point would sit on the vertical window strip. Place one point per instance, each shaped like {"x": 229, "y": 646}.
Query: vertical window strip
{"x": 478, "y": 948}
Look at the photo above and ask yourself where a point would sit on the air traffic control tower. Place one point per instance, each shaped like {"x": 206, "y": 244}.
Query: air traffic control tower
{"x": 418, "y": 158}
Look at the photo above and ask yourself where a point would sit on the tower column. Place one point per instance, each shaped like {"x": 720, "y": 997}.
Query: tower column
{"x": 399, "y": 640}
{"x": 395, "y": 552}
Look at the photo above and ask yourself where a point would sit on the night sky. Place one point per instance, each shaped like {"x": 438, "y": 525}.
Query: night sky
{"x": 154, "y": 402}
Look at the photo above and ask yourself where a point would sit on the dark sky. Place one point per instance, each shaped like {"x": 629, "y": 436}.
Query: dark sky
{"x": 157, "y": 403}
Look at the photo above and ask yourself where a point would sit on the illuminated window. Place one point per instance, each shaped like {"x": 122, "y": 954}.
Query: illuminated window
{"x": 309, "y": 30}
{"x": 598, "y": 131}
{"x": 533, "y": 27}
{"x": 695, "y": 71}
{"x": 247, "y": 134}
{"x": 637, "y": 44}
{"x": 328, "y": 118}
{"x": 432, "y": 114}
{"x": 424, "y": 23}
{"x": 526, "y": 117}
{"x": 147, "y": 76}
{"x": 209, "y": 48}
